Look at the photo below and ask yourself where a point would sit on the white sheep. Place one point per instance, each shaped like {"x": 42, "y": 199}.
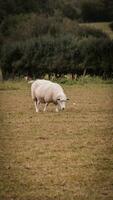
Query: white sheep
{"x": 45, "y": 91}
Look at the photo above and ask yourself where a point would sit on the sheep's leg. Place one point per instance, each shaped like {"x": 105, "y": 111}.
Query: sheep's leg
{"x": 45, "y": 107}
{"x": 37, "y": 103}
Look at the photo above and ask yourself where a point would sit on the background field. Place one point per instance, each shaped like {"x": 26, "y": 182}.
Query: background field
{"x": 103, "y": 26}
{"x": 66, "y": 155}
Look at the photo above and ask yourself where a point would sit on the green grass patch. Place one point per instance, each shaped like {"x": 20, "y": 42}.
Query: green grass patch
{"x": 12, "y": 85}
{"x": 82, "y": 80}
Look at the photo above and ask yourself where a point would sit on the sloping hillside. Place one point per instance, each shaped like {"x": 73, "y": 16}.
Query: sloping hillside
{"x": 104, "y": 26}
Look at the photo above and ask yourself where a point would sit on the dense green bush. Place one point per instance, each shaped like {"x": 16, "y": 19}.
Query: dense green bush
{"x": 70, "y": 11}
{"x": 97, "y": 56}
{"x": 98, "y": 10}
{"x": 65, "y": 54}
{"x": 14, "y": 7}
{"x": 85, "y": 10}
{"x": 41, "y": 37}
{"x": 24, "y": 27}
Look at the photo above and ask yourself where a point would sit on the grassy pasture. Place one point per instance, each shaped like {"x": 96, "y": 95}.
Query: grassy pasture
{"x": 63, "y": 156}
{"x": 103, "y": 26}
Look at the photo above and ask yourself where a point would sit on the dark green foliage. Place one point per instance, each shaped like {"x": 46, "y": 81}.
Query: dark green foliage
{"x": 92, "y": 11}
{"x": 14, "y": 7}
{"x": 62, "y": 55}
{"x": 85, "y": 10}
{"x": 97, "y": 56}
{"x": 22, "y": 27}
{"x": 70, "y": 12}
{"x": 98, "y": 10}
{"x": 41, "y": 37}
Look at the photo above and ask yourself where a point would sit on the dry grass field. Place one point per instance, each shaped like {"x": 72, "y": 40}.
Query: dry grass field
{"x": 63, "y": 156}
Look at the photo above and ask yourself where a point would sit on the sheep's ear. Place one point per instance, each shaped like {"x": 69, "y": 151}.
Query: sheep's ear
{"x": 67, "y": 99}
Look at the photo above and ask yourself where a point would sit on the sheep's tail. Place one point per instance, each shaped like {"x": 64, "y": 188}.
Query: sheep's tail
{"x": 30, "y": 82}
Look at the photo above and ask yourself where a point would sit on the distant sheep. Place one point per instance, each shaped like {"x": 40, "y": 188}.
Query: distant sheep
{"x": 44, "y": 91}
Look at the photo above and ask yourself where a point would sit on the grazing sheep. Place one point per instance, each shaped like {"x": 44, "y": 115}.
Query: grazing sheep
{"x": 44, "y": 91}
